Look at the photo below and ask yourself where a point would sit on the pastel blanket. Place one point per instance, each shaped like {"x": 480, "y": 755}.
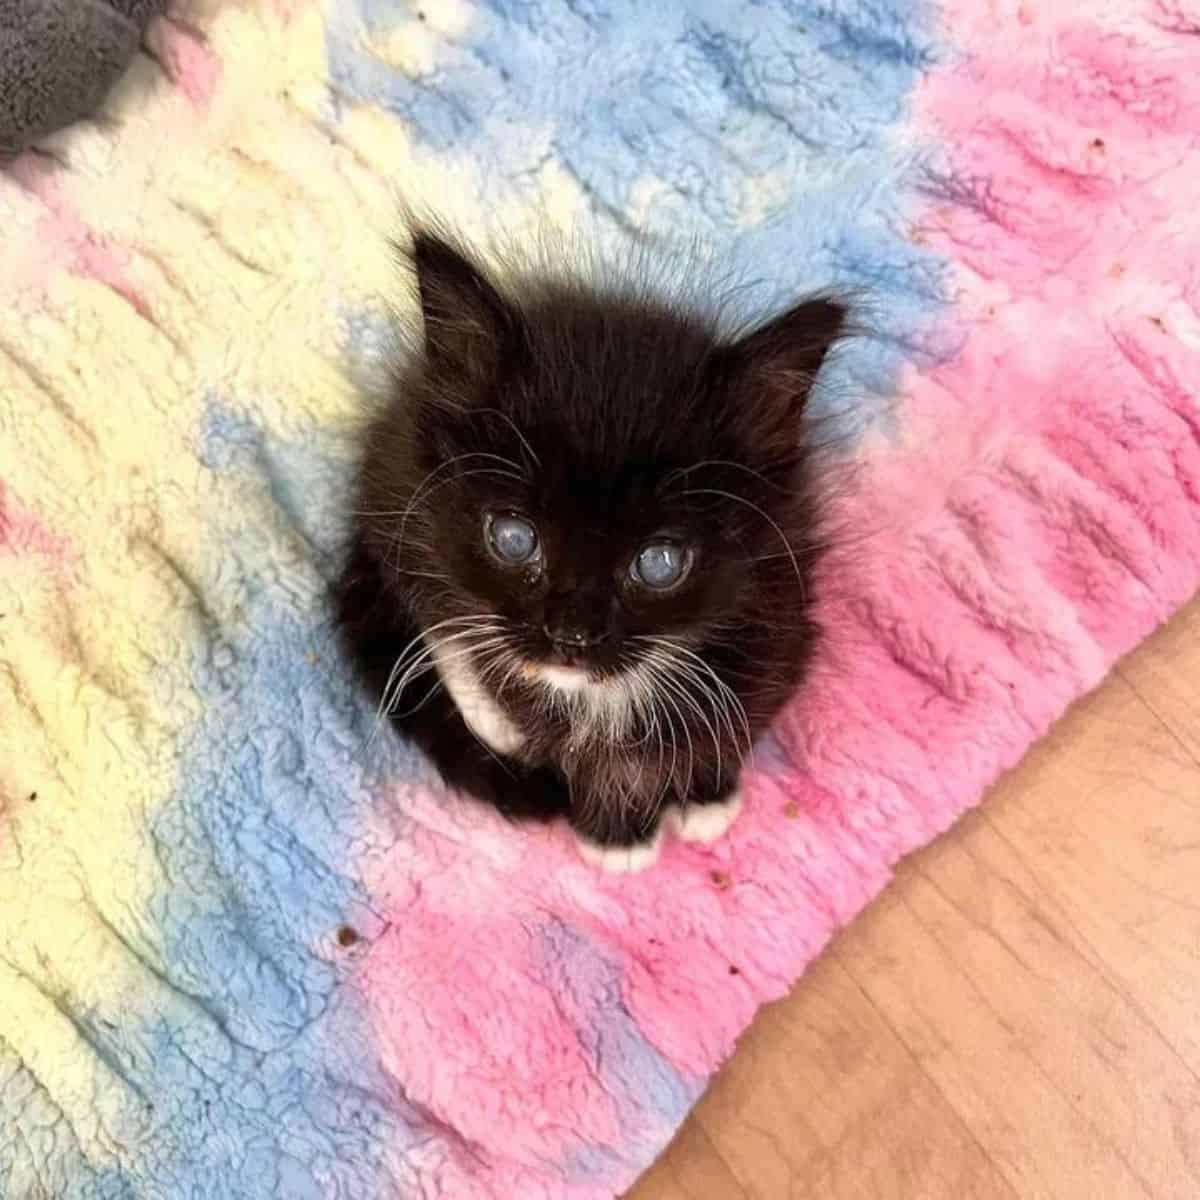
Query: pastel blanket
{"x": 247, "y": 950}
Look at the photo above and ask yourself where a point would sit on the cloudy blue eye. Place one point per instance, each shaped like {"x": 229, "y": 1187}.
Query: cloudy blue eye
{"x": 661, "y": 565}
{"x": 512, "y": 539}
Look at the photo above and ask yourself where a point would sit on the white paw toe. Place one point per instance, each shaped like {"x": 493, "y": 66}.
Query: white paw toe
{"x": 705, "y": 823}
{"x": 620, "y": 860}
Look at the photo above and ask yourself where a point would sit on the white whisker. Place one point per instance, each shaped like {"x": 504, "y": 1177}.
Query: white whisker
{"x": 411, "y": 662}
{"x": 721, "y": 462}
{"x": 730, "y": 697}
{"x": 677, "y": 680}
{"x": 537, "y": 462}
{"x": 420, "y": 489}
{"x": 765, "y": 516}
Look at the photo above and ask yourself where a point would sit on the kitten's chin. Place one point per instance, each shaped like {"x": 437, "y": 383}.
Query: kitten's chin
{"x": 562, "y": 679}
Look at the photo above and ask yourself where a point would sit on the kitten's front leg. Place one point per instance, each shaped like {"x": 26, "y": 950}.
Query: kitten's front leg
{"x": 615, "y": 829}
{"x": 626, "y": 850}
{"x": 624, "y": 856}
{"x": 706, "y": 821}
{"x": 617, "y": 832}
{"x": 517, "y": 790}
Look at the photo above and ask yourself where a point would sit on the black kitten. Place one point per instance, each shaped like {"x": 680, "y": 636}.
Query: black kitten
{"x": 581, "y": 564}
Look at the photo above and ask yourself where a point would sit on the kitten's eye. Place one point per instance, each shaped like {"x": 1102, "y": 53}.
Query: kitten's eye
{"x": 512, "y": 539}
{"x": 661, "y": 565}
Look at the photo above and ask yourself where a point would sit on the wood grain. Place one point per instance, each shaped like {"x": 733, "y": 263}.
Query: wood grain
{"x": 1018, "y": 1016}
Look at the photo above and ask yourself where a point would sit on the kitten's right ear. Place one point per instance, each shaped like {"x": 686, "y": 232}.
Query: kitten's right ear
{"x": 466, "y": 320}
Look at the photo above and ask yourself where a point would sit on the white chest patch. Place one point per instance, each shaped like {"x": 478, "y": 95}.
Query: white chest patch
{"x": 570, "y": 680}
{"x": 601, "y": 709}
{"x": 484, "y": 717}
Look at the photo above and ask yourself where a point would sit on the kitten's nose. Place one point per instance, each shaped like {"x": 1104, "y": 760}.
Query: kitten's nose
{"x": 570, "y": 636}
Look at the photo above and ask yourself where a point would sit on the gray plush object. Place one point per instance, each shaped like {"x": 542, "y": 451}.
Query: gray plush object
{"x": 59, "y": 58}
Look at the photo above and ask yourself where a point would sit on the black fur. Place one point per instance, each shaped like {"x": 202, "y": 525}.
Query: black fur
{"x": 606, "y": 417}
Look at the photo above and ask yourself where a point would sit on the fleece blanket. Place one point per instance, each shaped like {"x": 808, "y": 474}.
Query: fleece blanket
{"x": 249, "y": 950}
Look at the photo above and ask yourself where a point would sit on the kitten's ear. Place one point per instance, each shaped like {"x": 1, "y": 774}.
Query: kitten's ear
{"x": 466, "y": 320}
{"x": 772, "y": 371}
{"x": 785, "y": 354}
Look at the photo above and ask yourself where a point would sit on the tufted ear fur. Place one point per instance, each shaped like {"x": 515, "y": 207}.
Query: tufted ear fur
{"x": 774, "y": 368}
{"x": 468, "y": 324}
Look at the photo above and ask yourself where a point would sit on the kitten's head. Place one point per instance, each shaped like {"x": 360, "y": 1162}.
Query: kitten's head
{"x": 597, "y": 475}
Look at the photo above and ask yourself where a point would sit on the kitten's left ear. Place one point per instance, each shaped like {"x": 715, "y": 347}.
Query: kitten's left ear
{"x": 776, "y": 365}
{"x": 789, "y": 350}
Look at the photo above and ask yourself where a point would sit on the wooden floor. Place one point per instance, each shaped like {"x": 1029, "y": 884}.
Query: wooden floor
{"x": 1018, "y": 1016}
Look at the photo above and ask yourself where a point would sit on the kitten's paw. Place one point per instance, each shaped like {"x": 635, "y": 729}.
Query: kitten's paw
{"x": 705, "y": 823}
{"x": 619, "y": 860}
